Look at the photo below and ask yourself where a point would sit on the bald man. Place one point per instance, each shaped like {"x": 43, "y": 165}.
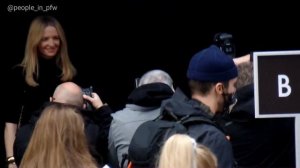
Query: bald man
{"x": 97, "y": 122}
{"x": 68, "y": 93}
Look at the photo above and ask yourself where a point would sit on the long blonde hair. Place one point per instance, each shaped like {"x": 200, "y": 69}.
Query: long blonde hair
{"x": 30, "y": 61}
{"x": 58, "y": 140}
{"x": 182, "y": 151}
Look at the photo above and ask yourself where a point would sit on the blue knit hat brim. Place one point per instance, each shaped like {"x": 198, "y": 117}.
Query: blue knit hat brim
{"x": 213, "y": 77}
{"x": 211, "y": 65}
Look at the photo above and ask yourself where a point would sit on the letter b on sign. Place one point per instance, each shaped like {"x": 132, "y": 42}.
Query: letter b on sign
{"x": 284, "y": 89}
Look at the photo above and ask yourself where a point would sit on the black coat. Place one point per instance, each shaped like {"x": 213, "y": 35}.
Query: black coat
{"x": 209, "y": 135}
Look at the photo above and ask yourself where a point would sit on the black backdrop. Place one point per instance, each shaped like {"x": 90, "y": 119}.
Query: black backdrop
{"x": 112, "y": 42}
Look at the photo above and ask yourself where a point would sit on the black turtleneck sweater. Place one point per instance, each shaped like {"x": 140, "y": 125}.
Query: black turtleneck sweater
{"x": 28, "y": 97}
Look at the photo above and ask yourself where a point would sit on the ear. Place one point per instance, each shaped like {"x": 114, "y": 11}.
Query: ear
{"x": 219, "y": 88}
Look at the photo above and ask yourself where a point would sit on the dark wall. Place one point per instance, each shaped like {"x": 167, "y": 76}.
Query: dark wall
{"x": 112, "y": 42}
{"x": 133, "y": 36}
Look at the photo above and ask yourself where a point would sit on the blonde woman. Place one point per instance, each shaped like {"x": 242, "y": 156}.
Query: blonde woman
{"x": 45, "y": 65}
{"x": 58, "y": 140}
{"x": 182, "y": 151}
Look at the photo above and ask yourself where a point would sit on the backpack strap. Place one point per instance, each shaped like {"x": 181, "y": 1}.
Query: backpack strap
{"x": 124, "y": 158}
{"x": 190, "y": 120}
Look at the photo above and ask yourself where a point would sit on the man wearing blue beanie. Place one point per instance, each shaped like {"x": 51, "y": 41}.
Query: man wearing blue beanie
{"x": 212, "y": 78}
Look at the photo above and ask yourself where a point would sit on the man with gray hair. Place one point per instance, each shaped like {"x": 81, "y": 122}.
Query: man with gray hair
{"x": 143, "y": 104}
{"x": 155, "y": 76}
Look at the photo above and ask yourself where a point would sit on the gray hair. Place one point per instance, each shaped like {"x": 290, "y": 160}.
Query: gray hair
{"x": 245, "y": 76}
{"x": 156, "y": 76}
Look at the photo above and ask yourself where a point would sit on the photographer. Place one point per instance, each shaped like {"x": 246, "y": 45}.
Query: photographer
{"x": 97, "y": 122}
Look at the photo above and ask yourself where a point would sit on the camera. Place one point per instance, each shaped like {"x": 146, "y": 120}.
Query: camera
{"x": 88, "y": 91}
{"x": 225, "y": 42}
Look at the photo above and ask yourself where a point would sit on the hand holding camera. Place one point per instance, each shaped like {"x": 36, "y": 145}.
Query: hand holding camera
{"x": 89, "y": 92}
{"x": 92, "y": 99}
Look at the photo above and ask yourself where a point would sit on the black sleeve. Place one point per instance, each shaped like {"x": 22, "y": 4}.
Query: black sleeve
{"x": 14, "y": 100}
{"x": 216, "y": 141}
{"x": 103, "y": 119}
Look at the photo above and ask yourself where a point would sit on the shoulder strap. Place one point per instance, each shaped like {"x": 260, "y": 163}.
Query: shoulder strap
{"x": 124, "y": 158}
{"x": 188, "y": 120}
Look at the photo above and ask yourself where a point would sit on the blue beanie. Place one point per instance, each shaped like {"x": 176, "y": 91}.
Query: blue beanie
{"x": 211, "y": 65}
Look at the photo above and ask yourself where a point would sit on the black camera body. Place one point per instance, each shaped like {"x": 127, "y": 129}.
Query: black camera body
{"x": 88, "y": 91}
{"x": 225, "y": 42}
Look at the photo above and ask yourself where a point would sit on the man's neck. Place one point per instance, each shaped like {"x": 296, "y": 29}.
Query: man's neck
{"x": 208, "y": 101}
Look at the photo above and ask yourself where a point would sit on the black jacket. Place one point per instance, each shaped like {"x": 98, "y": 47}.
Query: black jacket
{"x": 206, "y": 134}
{"x": 97, "y": 125}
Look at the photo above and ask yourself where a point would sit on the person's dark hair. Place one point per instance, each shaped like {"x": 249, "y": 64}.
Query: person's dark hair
{"x": 200, "y": 87}
{"x": 203, "y": 87}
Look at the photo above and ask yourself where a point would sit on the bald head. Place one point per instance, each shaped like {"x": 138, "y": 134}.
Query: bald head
{"x": 68, "y": 93}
